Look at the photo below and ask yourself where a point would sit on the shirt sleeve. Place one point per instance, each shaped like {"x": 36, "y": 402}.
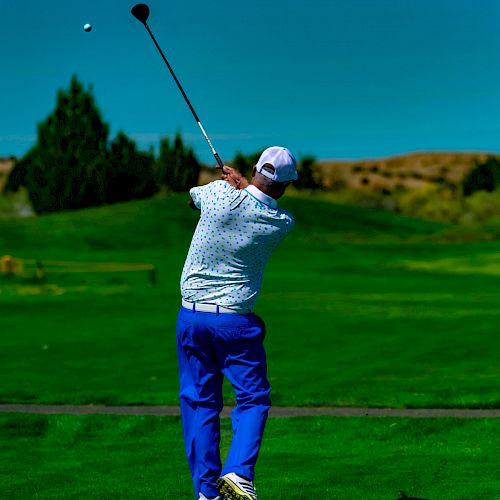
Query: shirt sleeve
{"x": 202, "y": 195}
{"x": 199, "y": 195}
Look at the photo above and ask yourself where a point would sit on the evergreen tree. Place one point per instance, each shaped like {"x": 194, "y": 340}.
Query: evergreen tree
{"x": 306, "y": 171}
{"x": 72, "y": 166}
{"x": 245, "y": 163}
{"x": 177, "y": 166}
{"x": 64, "y": 169}
{"x": 163, "y": 168}
{"x": 129, "y": 173}
{"x": 242, "y": 163}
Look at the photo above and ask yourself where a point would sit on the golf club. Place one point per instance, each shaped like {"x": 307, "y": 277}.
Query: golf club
{"x": 141, "y": 13}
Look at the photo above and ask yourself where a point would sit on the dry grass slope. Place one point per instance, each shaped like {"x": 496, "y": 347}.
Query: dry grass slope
{"x": 410, "y": 171}
{"x": 387, "y": 175}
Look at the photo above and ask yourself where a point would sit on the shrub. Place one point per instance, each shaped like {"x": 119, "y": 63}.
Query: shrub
{"x": 431, "y": 202}
{"x": 483, "y": 177}
{"x": 16, "y": 204}
{"x": 482, "y": 206}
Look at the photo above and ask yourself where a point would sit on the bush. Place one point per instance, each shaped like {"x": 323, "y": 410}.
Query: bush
{"x": 16, "y": 204}
{"x": 483, "y": 177}
{"x": 430, "y": 202}
{"x": 482, "y": 206}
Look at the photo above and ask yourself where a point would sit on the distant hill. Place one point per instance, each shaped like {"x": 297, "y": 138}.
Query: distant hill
{"x": 403, "y": 172}
{"x": 410, "y": 171}
{"x": 429, "y": 186}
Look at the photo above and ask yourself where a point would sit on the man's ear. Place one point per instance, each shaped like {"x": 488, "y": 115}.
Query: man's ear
{"x": 254, "y": 171}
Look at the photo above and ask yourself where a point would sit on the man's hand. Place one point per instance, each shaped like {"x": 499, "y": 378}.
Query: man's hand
{"x": 234, "y": 178}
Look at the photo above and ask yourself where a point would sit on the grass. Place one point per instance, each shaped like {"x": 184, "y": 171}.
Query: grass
{"x": 364, "y": 308}
{"x": 67, "y": 456}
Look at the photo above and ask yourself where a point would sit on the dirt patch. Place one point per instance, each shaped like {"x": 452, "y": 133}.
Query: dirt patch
{"x": 276, "y": 411}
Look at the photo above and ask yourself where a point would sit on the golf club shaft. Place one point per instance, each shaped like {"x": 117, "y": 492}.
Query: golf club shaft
{"x": 216, "y": 155}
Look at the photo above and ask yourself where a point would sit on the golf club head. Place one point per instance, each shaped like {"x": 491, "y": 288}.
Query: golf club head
{"x": 140, "y": 12}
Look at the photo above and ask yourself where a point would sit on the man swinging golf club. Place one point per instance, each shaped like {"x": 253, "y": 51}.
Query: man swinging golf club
{"x": 217, "y": 333}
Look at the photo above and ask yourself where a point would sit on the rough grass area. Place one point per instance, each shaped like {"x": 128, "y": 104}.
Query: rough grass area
{"x": 56, "y": 457}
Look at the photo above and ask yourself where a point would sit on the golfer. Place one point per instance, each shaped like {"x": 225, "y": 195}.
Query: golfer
{"x": 217, "y": 332}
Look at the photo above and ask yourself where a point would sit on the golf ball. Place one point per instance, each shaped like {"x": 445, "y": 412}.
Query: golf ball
{"x": 87, "y": 28}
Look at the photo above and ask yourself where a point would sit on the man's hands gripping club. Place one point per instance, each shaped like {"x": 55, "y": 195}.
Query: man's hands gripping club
{"x": 234, "y": 177}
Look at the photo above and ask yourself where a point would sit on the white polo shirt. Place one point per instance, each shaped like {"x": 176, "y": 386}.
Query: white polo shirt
{"x": 237, "y": 232}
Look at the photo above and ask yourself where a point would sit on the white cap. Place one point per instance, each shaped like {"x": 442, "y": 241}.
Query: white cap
{"x": 283, "y": 161}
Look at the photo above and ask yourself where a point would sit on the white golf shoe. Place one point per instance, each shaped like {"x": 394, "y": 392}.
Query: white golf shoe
{"x": 234, "y": 487}
{"x": 203, "y": 497}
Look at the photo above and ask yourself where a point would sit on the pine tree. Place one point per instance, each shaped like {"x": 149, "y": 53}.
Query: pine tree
{"x": 64, "y": 170}
{"x": 307, "y": 177}
{"x": 129, "y": 174}
{"x": 177, "y": 166}
{"x": 73, "y": 166}
{"x": 242, "y": 164}
{"x": 245, "y": 163}
{"x": 163, "y": 164}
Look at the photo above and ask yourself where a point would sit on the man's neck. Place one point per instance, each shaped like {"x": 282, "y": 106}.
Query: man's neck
{"x": 262, "y": 196}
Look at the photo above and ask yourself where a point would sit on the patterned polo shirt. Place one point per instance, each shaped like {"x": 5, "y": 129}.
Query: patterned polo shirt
{"x": 237, "y": 232}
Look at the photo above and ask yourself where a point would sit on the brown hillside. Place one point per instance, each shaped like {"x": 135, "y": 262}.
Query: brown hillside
{"x": 404, "y": 172}
{"x": 414, "y": 170}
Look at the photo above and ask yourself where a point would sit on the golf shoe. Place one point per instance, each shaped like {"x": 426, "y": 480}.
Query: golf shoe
{"x": 235, "y": 487}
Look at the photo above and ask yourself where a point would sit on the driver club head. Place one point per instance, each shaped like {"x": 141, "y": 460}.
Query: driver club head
{"x": 140, "y": 12}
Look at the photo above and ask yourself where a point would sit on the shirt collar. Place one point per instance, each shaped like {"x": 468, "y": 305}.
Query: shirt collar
{"x": 263, "y": 197}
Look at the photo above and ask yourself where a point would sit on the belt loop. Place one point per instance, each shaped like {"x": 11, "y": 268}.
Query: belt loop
{"x": 194, "y": 307}
{"x": 217, "y": 310}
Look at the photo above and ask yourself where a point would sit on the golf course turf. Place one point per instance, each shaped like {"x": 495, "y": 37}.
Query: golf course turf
{"x": 363, "y": 308}
{"x": 94, "y": 456}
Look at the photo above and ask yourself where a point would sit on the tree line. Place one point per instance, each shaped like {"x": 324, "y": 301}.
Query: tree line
{"x": 74, "y": 165}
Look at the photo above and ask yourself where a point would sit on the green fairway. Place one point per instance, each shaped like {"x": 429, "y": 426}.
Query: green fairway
{"x": 363, "y": 308}
{"x": 336, "y": 458}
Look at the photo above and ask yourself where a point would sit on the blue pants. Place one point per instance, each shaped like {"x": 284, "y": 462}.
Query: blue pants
{"x": 211, "y": 346}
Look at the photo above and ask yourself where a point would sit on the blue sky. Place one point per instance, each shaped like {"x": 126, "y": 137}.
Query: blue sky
{"x": 333, "y": 79}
